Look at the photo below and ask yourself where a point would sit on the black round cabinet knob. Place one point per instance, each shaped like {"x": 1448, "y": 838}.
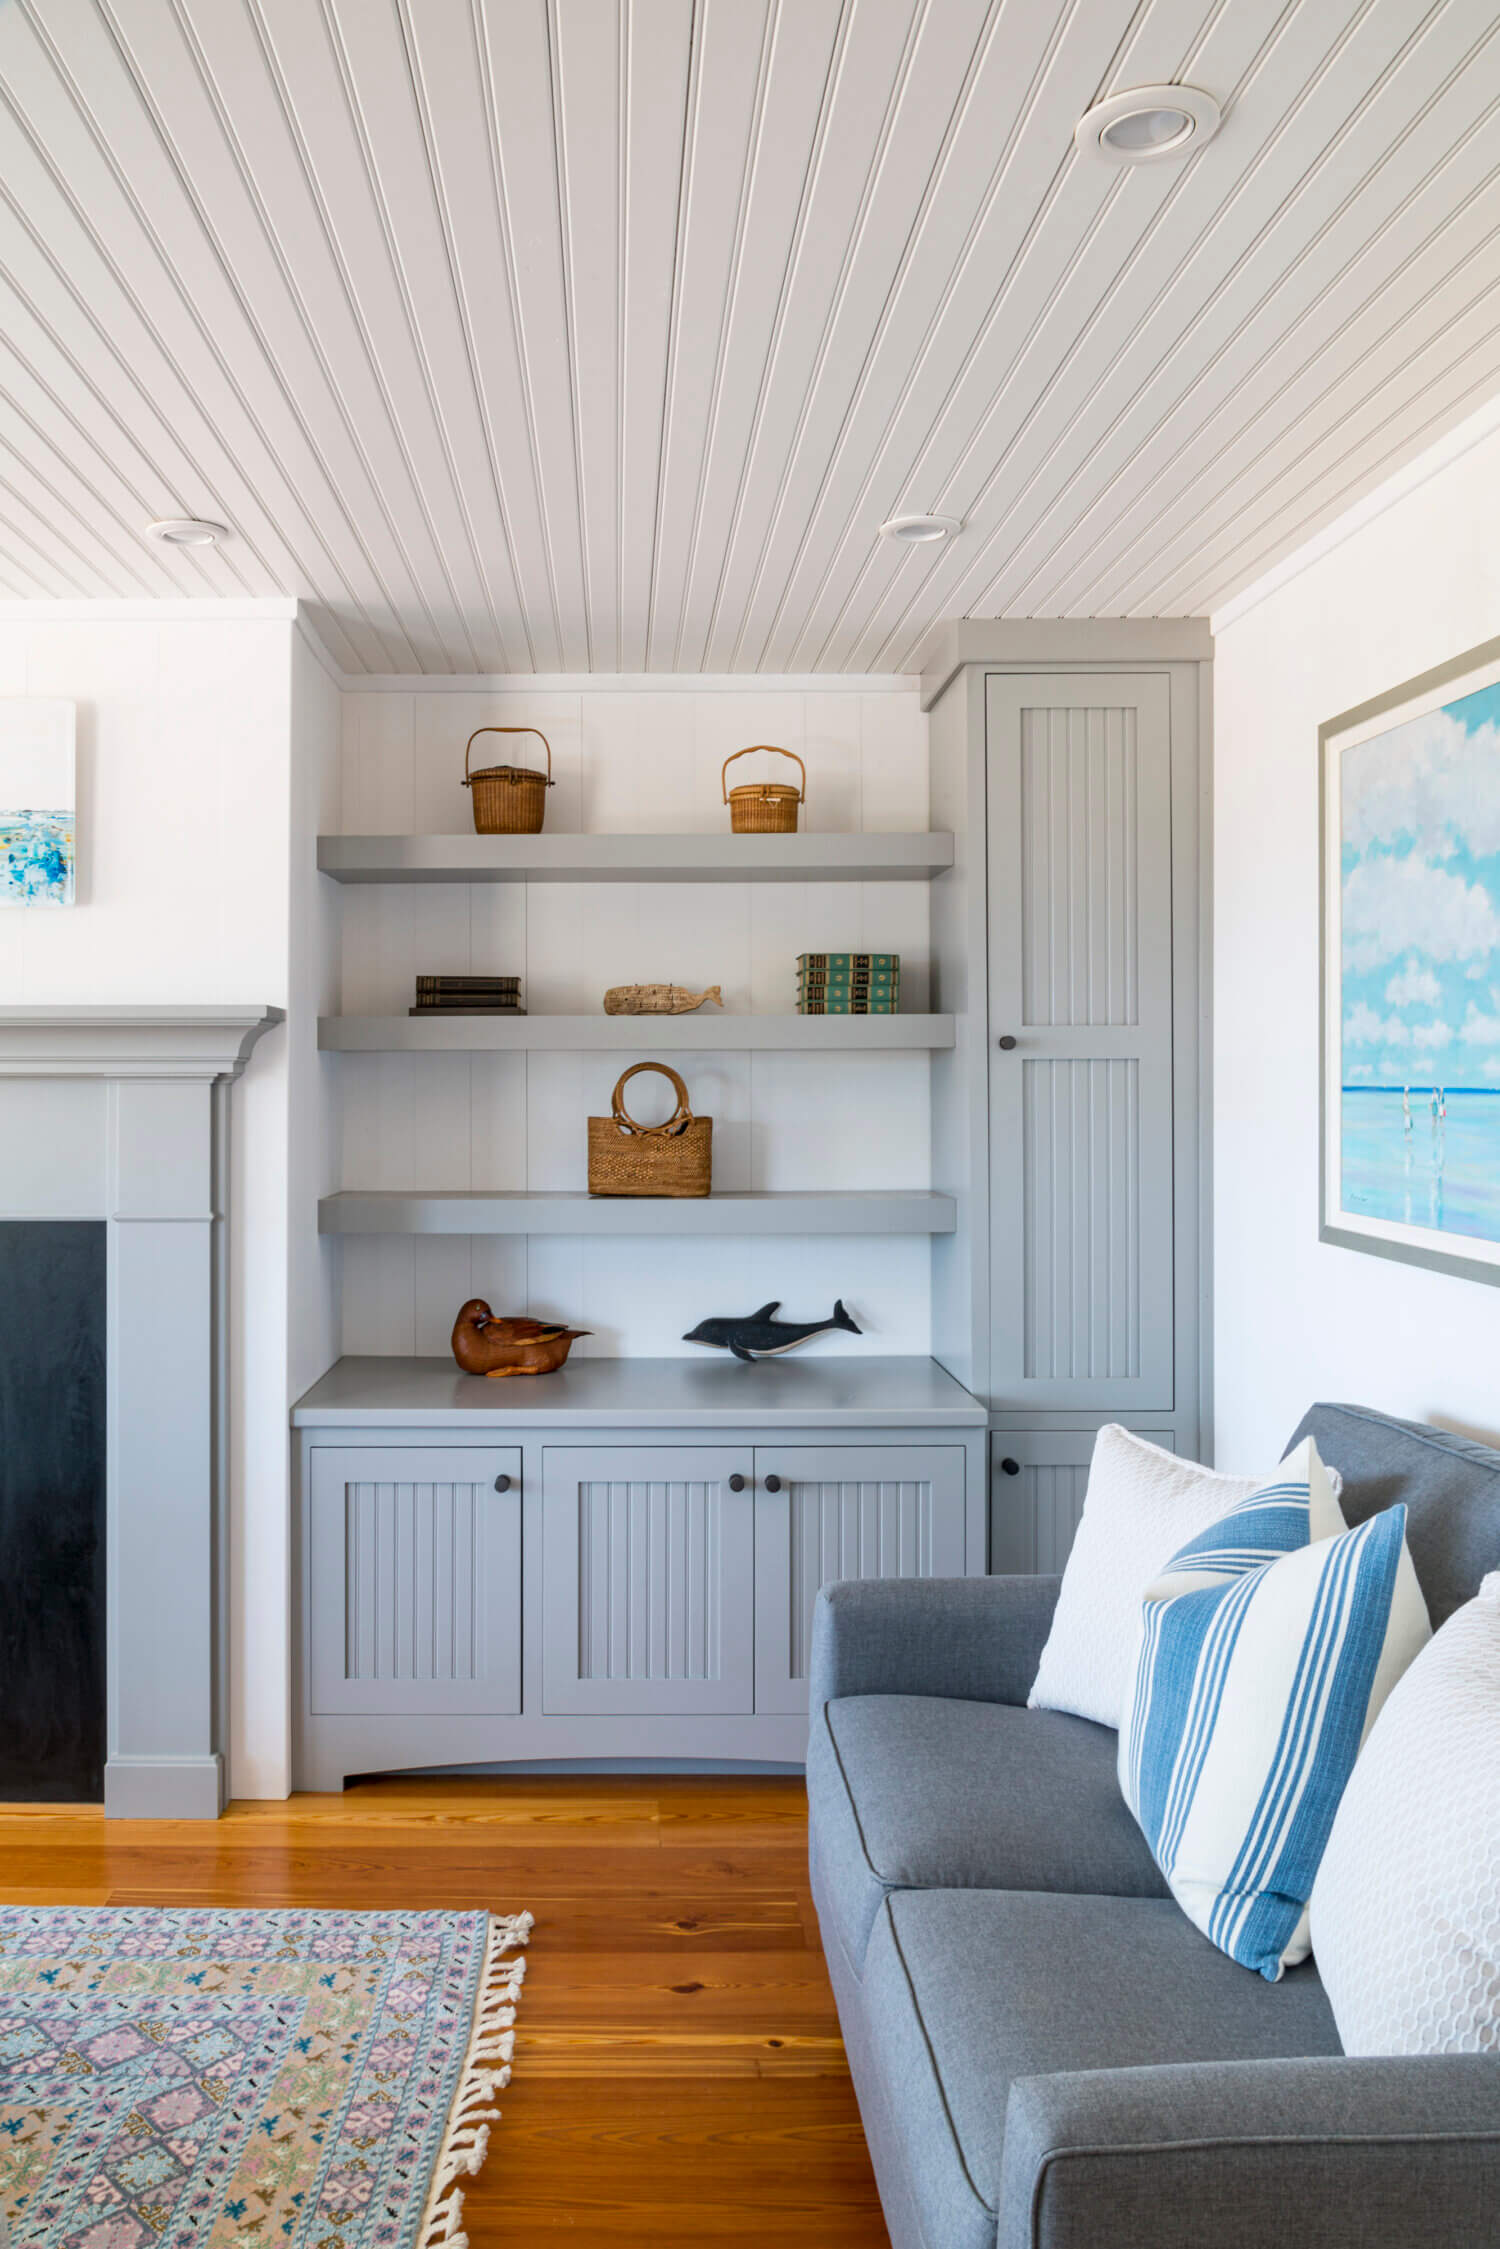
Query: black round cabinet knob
{"x": 773, "y": 1483}
{"x": 1010, "y": 1467}
{"x": 502, "y": 1483}
{"x": 1007, "y": 1042}
{"x": 736, "y": 1483}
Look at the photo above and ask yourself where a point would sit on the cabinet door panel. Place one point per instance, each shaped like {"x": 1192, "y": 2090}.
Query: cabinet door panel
{"x": 647, "y": 1570}
{"x": 1036, "y": 1501}
{"x": 1081, "y": 1161}
{"x": 414, "y": 1581}
{"x": 842, "y": 1511}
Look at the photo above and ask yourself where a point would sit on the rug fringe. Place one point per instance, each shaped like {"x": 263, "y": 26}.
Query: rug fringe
{"x": 486, "y": 2071}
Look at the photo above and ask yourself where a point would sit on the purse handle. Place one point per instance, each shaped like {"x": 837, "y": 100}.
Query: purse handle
{"x": 536, "y": 730}
{"x": 775, "y": 752}
{"x": 681, "y": 1118}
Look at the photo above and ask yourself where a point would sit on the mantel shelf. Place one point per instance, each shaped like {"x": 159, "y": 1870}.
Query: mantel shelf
{"x": 625, "y": 858}
{"x": 617, "y": 1034}
{"x": 383, "y": 1212}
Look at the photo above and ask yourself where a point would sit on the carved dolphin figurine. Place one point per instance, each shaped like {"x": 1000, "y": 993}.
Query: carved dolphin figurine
{"x": 759, "y": 1335}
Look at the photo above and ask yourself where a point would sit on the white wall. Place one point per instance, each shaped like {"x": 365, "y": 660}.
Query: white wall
{"x": 644, "y": 761}
{"x": 1410, "y": 580}
{"x": 183, "y": 876}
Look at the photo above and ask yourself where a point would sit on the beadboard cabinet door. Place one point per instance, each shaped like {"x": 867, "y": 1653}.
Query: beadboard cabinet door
{"x": 414, "y": 1581}
{"x": 1038, "y": 1479}
{"x": 841, "y": 1511}
{"x": 1079, "y": 794}
{"x": 648, "y": 1580}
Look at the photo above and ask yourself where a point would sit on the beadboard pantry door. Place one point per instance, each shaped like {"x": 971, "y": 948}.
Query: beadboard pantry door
{"x": 415, "y": 1581}
{"x": 648, "y": 1580}
{"x": 840, "y": 1511}
{"x": 1080, "y": 918}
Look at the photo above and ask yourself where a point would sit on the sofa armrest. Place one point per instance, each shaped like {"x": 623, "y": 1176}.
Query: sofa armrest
{"x": 978, "y": 1639}
{"x": 1327, "y": 2153}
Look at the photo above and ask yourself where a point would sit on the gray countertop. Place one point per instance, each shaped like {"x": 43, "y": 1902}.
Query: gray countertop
{"x": 707, "y": 1392}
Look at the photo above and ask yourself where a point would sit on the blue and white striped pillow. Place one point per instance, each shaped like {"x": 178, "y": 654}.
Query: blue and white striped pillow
{"x": 1267, "y": 1648}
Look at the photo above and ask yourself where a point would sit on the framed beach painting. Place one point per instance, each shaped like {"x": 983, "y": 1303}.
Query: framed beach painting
{"x": 38, "y": 842}
{"x": 1411, "y": 971}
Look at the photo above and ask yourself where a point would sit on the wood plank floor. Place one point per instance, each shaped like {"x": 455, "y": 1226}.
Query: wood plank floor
{"x": 678, "y": 2074}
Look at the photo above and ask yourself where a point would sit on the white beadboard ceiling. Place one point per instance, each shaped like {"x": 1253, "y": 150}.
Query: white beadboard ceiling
{"x": 600, "y": 335}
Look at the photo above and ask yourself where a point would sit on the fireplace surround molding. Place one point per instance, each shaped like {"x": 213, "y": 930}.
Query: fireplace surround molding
{"x": 122, "y": 1113}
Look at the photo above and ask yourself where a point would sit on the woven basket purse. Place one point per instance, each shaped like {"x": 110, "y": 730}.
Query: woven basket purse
{"x": 508, "y": 800}
{"x": 764, "y": 808}
{"x": 674, "y": 1158}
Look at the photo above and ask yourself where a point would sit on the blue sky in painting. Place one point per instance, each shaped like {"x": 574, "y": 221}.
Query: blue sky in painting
{"x": 1421, "y": 900}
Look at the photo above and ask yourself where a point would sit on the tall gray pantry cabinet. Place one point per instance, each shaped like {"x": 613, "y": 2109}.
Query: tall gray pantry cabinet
{"x": 1070, "y": 762}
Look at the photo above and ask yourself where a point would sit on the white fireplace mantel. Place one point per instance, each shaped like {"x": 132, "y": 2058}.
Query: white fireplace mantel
{"x": 121, "y": 1114}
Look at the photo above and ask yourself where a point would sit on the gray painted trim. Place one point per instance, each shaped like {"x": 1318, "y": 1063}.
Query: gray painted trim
{"x": 1343, "y": 1237}
{"x": 164, "y": 1788}
{"x": 1058, "y": 643}
{"x": 391, "y": 1212}
{"x": 710, "y": 1033}
{"x": 1204, "y": 1448}
{"x": 627, "y": 858}
{"x": 130, "y": 1042}
{"x": 708, "y": 1391}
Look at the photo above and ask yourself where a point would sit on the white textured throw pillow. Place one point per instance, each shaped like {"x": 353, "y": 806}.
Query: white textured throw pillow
{"x": 1142, "y": 1504}
{"x": 1406, "y": 1907}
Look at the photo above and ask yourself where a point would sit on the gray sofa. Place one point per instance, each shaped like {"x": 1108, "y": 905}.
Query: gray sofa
{"x": 1047, "y": 2054}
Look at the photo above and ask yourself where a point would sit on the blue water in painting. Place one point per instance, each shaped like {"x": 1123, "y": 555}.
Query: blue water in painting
{"x": 1443, "y": 1173}
{"x": 36, "y": 858}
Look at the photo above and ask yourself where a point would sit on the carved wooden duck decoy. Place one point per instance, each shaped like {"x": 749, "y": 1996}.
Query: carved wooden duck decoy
{"x": 485, "y": 1343}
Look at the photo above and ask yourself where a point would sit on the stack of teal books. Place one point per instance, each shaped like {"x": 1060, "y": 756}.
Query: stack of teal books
{"x": 848, "y": 983}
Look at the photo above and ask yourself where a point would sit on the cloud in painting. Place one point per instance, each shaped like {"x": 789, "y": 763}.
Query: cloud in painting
{"x": 1363, "y": 1026}
{"x": 1480, "y": 1029}
{"x": 1433, "y": 783}
{"x": 1404, "y": 905}
{"x": 1413, "y": 986}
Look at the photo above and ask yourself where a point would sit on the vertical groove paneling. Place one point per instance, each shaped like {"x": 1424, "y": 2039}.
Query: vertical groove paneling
{"x": 1079, "y": 871}
{"x": 649, "y": 1567}
{"x": 859, "y": 1528}
{"x": 1082, "y": 1217}
{"x": 415, "y": 1577}
{"x": 1034, "y": 1515}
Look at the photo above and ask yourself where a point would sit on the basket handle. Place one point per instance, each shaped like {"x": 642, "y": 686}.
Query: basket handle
{"x": 775, "y": 752}
{"x": 677, "y": 1122}
{"x": 536, "y": 730}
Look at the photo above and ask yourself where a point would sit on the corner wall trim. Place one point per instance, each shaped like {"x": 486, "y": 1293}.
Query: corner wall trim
{"x": 164, "y": 1788}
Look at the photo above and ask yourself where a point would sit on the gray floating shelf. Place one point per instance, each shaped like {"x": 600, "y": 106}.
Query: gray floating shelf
{"x": 617, "y": 1034}
{"x": 690, "y": 858}
{"x": 360, "y": 1212}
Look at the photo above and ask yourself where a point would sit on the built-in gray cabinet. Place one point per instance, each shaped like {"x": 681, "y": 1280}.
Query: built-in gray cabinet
{"x": 414, "y": 1580}
{"x": 682, "y": 1580}
{"x": 1079, "y": 808}
{"x": 1037, "y": 1481}
{"x": 828, "y": 1512}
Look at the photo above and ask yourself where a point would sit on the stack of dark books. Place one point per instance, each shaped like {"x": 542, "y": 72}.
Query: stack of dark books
{"x": 468, "y": 995}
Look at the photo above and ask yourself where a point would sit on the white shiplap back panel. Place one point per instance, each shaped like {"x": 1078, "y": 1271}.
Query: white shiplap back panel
{"x": 593, "y": 335}
{"x": 782, "y": 1122}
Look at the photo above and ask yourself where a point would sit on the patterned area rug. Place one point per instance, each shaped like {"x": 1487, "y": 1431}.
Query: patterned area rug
{"x": 315, "y": 2080}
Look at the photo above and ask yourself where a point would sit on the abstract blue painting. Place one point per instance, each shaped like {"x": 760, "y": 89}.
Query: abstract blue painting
{"x": 1412, "y": 978}
{"x": 38, "y": 839}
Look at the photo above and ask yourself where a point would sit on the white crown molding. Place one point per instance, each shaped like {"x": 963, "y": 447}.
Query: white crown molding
{"x": 629, "y": 683}
{"x": 1427, "y": 465}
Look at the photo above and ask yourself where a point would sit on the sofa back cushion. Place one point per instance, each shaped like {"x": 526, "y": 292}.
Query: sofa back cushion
{"x": 1449, "y": 1486}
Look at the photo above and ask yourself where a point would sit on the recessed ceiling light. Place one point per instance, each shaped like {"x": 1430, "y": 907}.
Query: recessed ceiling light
{"x": 1148, "y": 122}
{"x": 915, "y": 530}
{"x": 186, "y": 531}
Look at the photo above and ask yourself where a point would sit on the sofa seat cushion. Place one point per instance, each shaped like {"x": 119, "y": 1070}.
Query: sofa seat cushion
{"x": 914, "y": 1792}
{"x": 968, "y": 1990}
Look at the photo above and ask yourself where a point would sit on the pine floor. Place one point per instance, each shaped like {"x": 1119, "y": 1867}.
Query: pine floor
{"x": 678, "y": 2074}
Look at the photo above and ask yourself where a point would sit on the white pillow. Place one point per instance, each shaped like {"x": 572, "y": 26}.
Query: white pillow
{"x": 1264, "y": 1656}
{"x": 1406, "y": 1907}
{"x": 1142, "y": 1504}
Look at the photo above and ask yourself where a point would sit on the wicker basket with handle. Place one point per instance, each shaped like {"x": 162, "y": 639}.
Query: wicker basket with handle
{"x": 508, "y": 800}
{"x": 763, "y": 808}
{"x": 674, "y": 1158}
